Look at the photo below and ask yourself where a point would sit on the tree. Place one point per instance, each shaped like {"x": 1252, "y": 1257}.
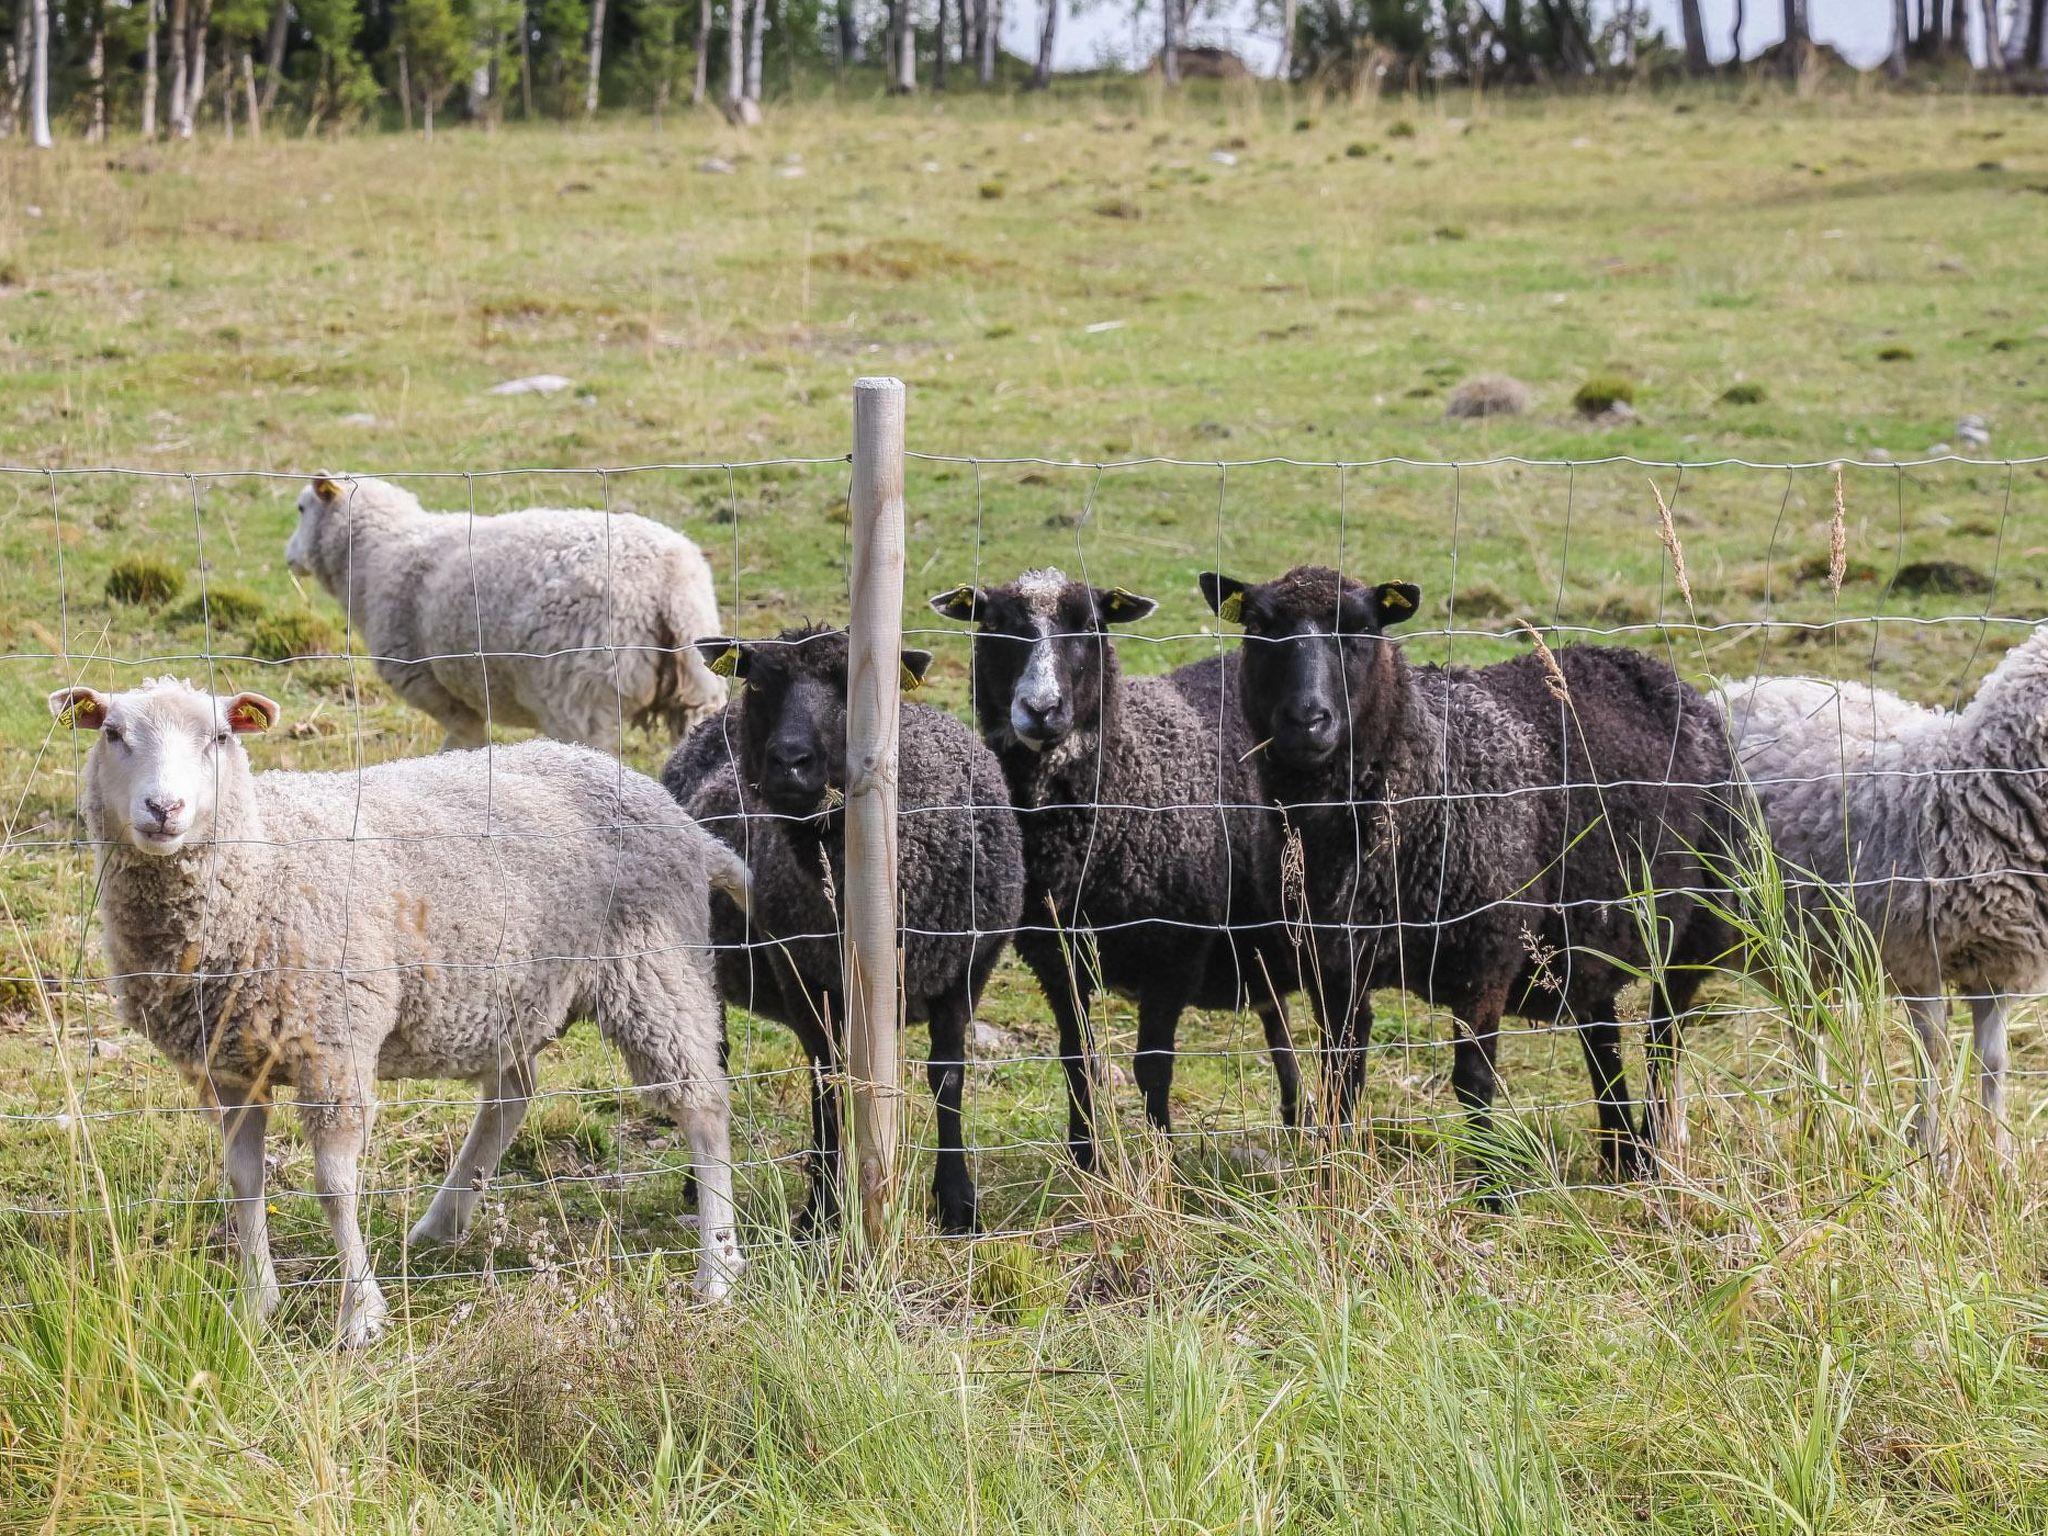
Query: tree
{"x": 273, "y": 53}
{"x": 849, "y": 34}
{"x": 1895, "y": 65}
{"x": 1041, "y": 73}
{"x": 1994, "y": 49}
{"x": 2037, "y": 35}
{"x": 756, "y": 37}
{"x": 39, "y": 75}
{"x": 149, "y": 81}
{"x": 1169, "y": 43}
{"x": 437, "y": 47}
{"x": 703, "y": 53}
{"x": 902, "y": 47}
{"x": 991, "y": 23}
{"x": 596, "y": 57}
{"x": 1695, "y": 28}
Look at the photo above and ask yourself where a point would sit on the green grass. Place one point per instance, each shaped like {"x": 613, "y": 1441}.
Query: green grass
{"x": 1802, "y": 1333}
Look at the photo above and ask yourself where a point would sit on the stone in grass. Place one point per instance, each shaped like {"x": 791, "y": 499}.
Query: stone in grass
{"x": 1972, "y": 432}
{"x": 144, "y": 579}
{"x": 1488, "y": 394}
{"x": 533, "y": 384}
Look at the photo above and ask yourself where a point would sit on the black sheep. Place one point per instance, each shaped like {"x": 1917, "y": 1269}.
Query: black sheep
{"x": 1478, "y": 837}
{"x": 960, "y": 870}
{"x": 1143, "y": 829}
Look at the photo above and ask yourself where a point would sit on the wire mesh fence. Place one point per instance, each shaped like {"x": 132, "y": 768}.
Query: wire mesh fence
{"x": 1916, "y": 578}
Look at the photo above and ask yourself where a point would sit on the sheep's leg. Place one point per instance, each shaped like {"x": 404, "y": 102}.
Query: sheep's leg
{"x": 340, "y": 1133}
{"x": 243, "y": 1118}
{"x": 1930, "y": 1024}
{"x": 506, "y": 1095}
{"x": 821, "y": 1203}
{"x": 1600, "y": 1040}
{"x": 465, "y": 733}
{"x": 952, "y": 1184}
{"x": 706, "y": 1116}
{"x": 1160, "y": 1005}
{"x": 1068, "y": 994}
{"x": 1988, "y": 1016}
{"x": 1286, "y": 1066}
{"x": 1474, "y": 1075}
{"x": 1345, "y": 995}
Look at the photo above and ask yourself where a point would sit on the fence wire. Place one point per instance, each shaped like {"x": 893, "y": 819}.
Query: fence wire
{"x": 1914, "y": 575}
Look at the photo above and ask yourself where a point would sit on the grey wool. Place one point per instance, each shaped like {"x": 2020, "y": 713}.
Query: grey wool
{"x": 1495, "y": 840}
{"x": 585, "y": 619}
{"x": 1151, "y": 858}
{"x": 768, "y": 775}
{"x": 439, "y": 917}
{"x": 1933, "y": 824}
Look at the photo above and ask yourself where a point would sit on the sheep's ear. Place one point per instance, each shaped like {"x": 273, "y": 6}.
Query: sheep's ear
{"x": 83, "y": 709}
{"x": 915, "y": 664}
{"x": 962, "y": 603}
{"x": 1395, "y": 602}
{"x": 326, "y": 489}
{"x": 250, "y": 712}
{"x": 1225, "y": 596}
{"x": 725, "y": 657}
{"x": 1117, "y": 606}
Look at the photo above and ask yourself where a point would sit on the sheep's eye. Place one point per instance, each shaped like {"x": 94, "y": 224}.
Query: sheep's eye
{"x": 110, "y": 733}
{"x": 222, "y": 738}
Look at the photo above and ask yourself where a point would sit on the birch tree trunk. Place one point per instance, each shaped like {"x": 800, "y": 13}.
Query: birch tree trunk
{"x": 990, "y": 35}
{"x": 180, "y": 119}
{"x": 39, "y": 75}
{"x": 1895, "y": 61}
{"x": 404, "y": 88}
{"x": 756, "y": 47}
{"x": 253, "y": 103}
{"x": 596, "y": 57}
{"x": 195, "y": 53}
{"x": 227, "y": 97}
{"x": 703, "y": 77}
{"x": 96, "y": 72}
{"x": 1041, "y": 74}
{"x": 905, "y": 78}
{"x": 273, "y": 54}
{"x": 1169, "y": 45}
{"x": 149, "y": 85}
{"x": 1283, "y": 67}
{"x": 1994, "y": 51}
{"x": 939, "y": 51}
{"x": 735, "y": 61}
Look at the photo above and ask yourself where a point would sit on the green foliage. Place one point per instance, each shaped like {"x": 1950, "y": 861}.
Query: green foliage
{"x": 1602, "y": 392}
{"x": 1745, "y": 393}
{"x": 144, "y": 579}
{"x": 224, "y": 605}
{"x": 289, "y": 636}
{"x": 439, "y": 43}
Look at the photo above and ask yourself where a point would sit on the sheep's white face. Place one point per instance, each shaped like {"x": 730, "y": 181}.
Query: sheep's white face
{"x": 163, "y": 753}
{"x": 314, "y": 501}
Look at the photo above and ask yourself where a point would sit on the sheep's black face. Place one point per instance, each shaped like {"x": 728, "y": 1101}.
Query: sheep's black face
{"x": 1315, "y": 665}
{"x": 1041, "y": 656}
{"x": 793, "y": 724}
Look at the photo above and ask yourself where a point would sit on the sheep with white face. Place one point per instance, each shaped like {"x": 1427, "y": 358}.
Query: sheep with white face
{"x": 323, "y": 931}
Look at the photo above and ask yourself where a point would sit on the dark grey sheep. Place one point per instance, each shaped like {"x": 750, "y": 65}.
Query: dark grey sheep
{"x": 1144, "y": 830}
{"x": 1478, "y": 837}
{"x": 769, "y": 772}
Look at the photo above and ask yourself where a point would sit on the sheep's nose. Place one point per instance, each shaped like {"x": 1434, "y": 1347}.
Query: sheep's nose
{"x": 1309, "y": 716}
{"x": 162, "y": 807}
{"x": 793, "y": 762}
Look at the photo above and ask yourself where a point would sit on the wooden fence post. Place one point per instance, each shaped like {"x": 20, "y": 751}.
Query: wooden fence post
{"x": 873, "y": 701}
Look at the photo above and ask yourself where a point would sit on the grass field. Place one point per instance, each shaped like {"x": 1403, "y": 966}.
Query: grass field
{"x": 1803, "y": 1332}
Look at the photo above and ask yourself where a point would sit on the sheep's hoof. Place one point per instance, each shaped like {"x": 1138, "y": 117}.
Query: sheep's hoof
{"x": 365, "y": 1325}
{"x": 959, "y": 1218}
{"x": 434, "y": 1231}
{"x": 1082, "y": 1151}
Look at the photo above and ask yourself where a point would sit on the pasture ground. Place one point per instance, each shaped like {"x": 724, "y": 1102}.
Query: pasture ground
{"x": 1802, "y": 1331}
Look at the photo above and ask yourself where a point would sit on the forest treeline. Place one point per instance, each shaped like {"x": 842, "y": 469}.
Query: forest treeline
{"x": 167, "y": 67}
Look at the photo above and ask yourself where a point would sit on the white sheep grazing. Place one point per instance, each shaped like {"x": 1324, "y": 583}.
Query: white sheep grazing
{"x": 585, "y": 619}
{"x": 440, "y": 917}
{"x": 1935, "y": 823}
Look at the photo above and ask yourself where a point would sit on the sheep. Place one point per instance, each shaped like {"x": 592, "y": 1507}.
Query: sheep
{"x": 1143, "y": 830}
{"x": 584, "y": 618}
{"x": 768, "y": 775}
{"x": 1933, "y": 826}
{"x": 441, "y": 917}
{"x": 1481, "y": 837}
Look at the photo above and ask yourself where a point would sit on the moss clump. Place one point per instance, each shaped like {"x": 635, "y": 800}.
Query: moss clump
{"x": 227, "y": 606}
{"x": 1603, "y": 392}
{"x": 289, "y": 636}
{"x": 144, "y": 579}
{"x": 1358, "y": 149}
{"x": 1014, "y": 1281}
{"x": 1400, "y": 128}
{"x": 1743, "y": 394}
{"x": 1895, "y": 354}
{"x": 991, "y": 191}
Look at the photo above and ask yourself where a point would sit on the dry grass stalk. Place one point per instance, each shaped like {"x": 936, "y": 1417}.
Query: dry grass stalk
{"x": 1838, "y": 541}
{"x": 1669, "y": 534}
{"x": 1553, "y": 674}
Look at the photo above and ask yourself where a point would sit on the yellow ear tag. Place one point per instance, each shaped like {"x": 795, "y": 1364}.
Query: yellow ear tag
{"x": 1394, "y": 597}
{"x": 911, "y": 681}
{"x": 250, "y": 716}
{"x": 1231, "y": 609}
{"x": 727, "y": 662}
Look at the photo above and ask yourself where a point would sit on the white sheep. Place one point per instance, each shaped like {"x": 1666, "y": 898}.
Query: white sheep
{"x": 440, "y": 917}
{"x": 585, "y": 619}
{"x": 1934, "y": 823}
